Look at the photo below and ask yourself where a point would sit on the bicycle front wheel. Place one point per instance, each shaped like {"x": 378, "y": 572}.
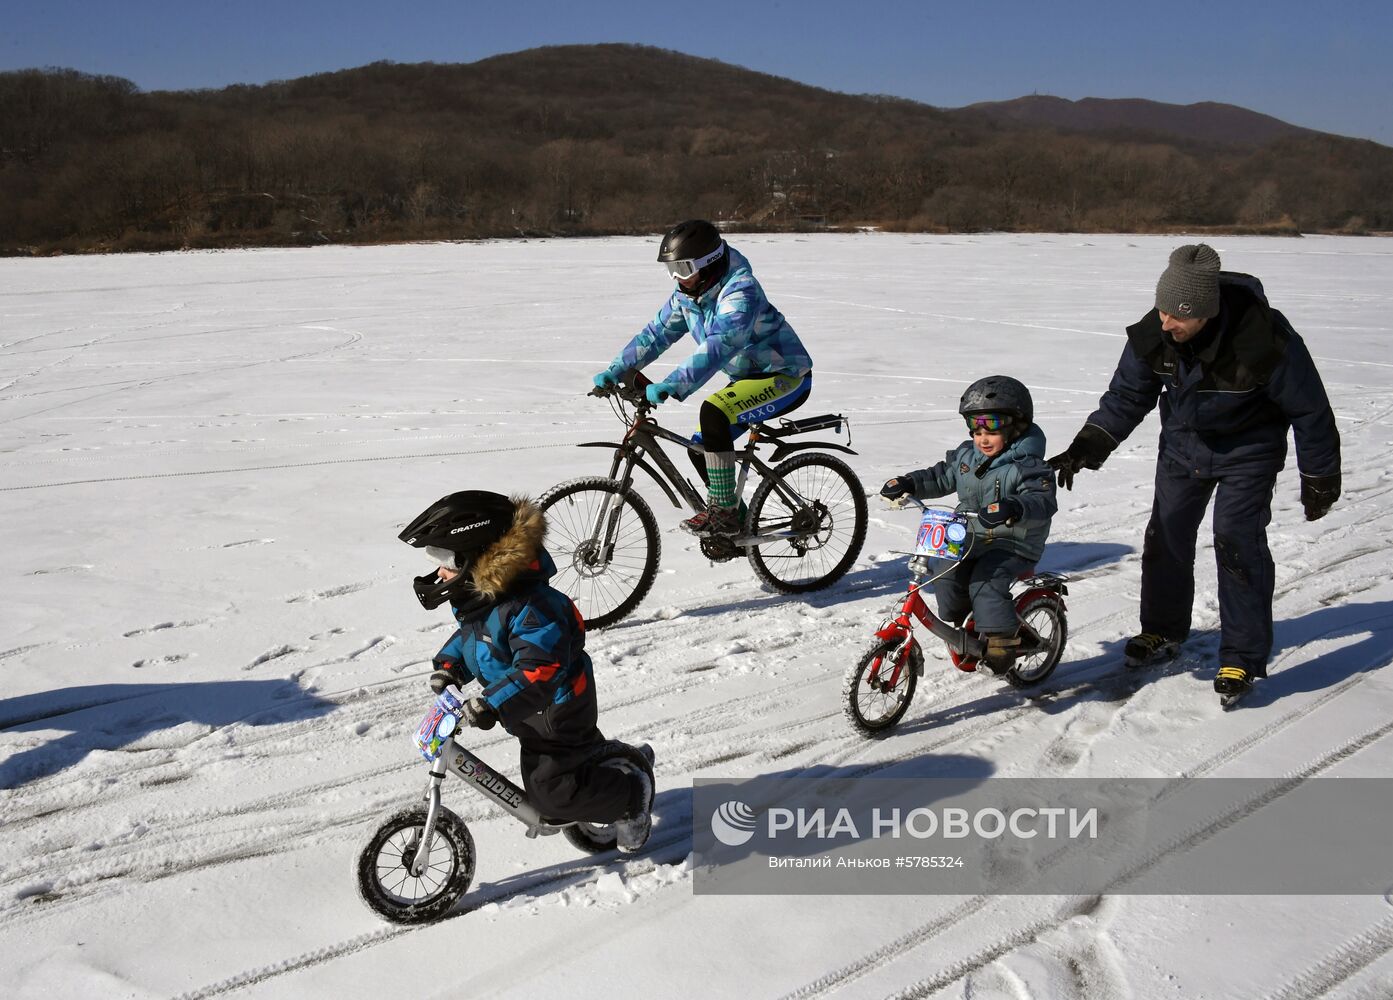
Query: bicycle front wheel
{"x": 813, "y": 511}
{"x": 604, "y": 539}
{"x": 873, "y": 703}
{"x": 384, "y": 866}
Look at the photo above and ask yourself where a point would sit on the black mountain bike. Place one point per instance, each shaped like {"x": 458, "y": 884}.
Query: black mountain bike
{"x": 803, "y": 527}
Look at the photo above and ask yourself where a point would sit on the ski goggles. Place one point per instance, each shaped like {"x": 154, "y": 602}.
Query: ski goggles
{"x": 988, "y": 421}
{"x": 442, "y": 557}
{"x": 681, "y": 270}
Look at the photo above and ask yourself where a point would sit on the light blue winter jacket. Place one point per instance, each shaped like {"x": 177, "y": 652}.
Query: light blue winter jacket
{"x": 740, "y": 333}
{"x": 1020, "y": 471}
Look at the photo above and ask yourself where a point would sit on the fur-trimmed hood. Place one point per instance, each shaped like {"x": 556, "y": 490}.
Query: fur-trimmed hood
{"x": 517, "y": 553}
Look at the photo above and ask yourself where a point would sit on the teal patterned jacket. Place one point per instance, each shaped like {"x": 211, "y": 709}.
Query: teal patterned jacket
{"x": 737, "y": 329}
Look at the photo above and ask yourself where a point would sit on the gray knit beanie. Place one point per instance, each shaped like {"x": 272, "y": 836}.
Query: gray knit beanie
{"x": 1189, "y": 286}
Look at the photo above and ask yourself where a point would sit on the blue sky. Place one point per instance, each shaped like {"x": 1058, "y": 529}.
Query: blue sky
{"x": 1323, "y": 65}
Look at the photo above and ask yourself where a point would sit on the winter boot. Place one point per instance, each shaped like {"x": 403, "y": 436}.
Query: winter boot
{"x": 1001, "y": 652}
{"x": 631, "y": 832}
{"x": 1147, "y": 648}
{"x": 1233, "y": 681}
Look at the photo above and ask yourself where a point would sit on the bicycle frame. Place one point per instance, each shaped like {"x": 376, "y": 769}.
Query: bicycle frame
{"x": 643, "y": 441}
{"x": 455, "y": 759}
{"x": 967, "y": 648}
{"x": 900, "y": 627}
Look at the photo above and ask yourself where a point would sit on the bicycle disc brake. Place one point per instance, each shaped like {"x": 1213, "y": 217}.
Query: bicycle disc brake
{"x": 812, "y": 526}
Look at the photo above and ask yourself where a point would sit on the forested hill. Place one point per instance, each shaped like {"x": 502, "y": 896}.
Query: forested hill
{"x": 619, "y": 138}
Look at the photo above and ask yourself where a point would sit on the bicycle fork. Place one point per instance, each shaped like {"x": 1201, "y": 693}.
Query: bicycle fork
{"x": 421, "y": 859}
{"x": 604, "y": 532}
{"x": 463, "y": 764}
{"x": 899, "y": 630}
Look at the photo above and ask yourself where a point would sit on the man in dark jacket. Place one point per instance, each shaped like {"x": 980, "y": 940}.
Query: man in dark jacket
{"x": 1231, "y": 376}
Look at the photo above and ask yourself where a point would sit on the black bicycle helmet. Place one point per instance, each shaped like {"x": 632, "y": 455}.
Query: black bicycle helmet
{"x": 998, "y": 394}
{"x": 694, "y": 249}
{"x": 454, "y": 530}
{"x": 690, "y": 240}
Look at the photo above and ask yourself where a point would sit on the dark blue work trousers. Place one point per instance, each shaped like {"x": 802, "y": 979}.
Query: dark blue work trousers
{"x": 1242, "y": 511}
{"x": 982, "y": 585}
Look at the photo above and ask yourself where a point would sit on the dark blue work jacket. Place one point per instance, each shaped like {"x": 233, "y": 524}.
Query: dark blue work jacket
{"x": 1229, "y": 396}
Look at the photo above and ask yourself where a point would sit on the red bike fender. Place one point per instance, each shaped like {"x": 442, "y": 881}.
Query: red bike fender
{"x": 896, "y": 629}
{"x": 1030, "y": 595}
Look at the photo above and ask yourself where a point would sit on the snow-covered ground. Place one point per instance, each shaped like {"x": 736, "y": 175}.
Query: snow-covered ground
{"x": 211, "y": 661}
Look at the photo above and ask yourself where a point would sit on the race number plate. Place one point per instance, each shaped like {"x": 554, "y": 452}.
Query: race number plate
{"x": 942, "y": 534}
{"x": 438, "y": 725}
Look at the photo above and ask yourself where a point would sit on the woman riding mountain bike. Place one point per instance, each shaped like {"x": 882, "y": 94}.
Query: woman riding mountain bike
{"x": 721, "y": 304}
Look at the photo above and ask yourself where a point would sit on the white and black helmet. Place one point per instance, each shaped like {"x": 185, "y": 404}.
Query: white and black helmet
{"x": 691, "y": 248}
{"x": 998, "y": 394}
{"x": 453, "y": 531}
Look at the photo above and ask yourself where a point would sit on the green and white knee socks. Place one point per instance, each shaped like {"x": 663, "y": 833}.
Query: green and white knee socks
{"x": 720, "y": 478}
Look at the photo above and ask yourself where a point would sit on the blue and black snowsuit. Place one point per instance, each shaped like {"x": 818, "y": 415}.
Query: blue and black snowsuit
{"x": 524, "y": 642}
{"x": 998, "y": 556}
{"x": 1227, "y": 398}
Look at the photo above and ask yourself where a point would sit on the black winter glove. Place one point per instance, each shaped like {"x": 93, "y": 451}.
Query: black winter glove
{"x": 447, "y": 673}
{"x": 1004, "y": 511}
{"x": 900, "y": 486}
{"x": 1089, "y": 450}
{"x": 479, "y": 714}
{"x": 1318, "y": 495}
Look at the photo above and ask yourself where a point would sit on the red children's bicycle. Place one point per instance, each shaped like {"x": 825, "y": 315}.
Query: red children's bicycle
{"x": 880, "y": 685}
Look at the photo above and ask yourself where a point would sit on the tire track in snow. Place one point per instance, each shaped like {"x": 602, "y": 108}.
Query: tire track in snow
{"x": 1033, "y": 929}
{"x": 718, "y": 713}
{"x": 1339, "y": 965}
{"x": 241, "y": 734}
{"x": 669, "y": 849}
{"x": 169, "y": 833}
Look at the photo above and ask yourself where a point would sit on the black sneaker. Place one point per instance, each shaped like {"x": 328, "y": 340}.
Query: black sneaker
{"x": 1233, "y": 681}
{"x": 1147, "y": 648}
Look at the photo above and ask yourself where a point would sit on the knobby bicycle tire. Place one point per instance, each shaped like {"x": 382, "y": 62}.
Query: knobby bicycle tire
{"x": 802, "y": 564}
{"x": 1053, "y": 609}
{"x": 604, "y": 591}
{"x": 873, "y": 711}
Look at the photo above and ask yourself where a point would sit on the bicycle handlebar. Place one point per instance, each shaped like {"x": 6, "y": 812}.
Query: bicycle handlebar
{"x": 901, "y": 502}
{"x": 629, "y": 387}
{"x": 628, "y": 393}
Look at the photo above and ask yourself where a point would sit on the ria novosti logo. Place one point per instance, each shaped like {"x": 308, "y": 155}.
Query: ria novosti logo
{"x": 733, "y": 824}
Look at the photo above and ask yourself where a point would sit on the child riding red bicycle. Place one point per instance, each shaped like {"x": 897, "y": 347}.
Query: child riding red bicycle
{"x": 1000, "y": 474}
{"x": 974, "y": 556}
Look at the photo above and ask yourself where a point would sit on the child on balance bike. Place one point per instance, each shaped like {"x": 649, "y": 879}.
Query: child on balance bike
{"x": 524, "y": 642}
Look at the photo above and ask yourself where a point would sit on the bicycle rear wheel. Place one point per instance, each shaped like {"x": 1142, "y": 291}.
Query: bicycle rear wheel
{"x": 604, "y": 539}
{"x": 814, "y": 508}
{"x": 1045, "y": 615}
